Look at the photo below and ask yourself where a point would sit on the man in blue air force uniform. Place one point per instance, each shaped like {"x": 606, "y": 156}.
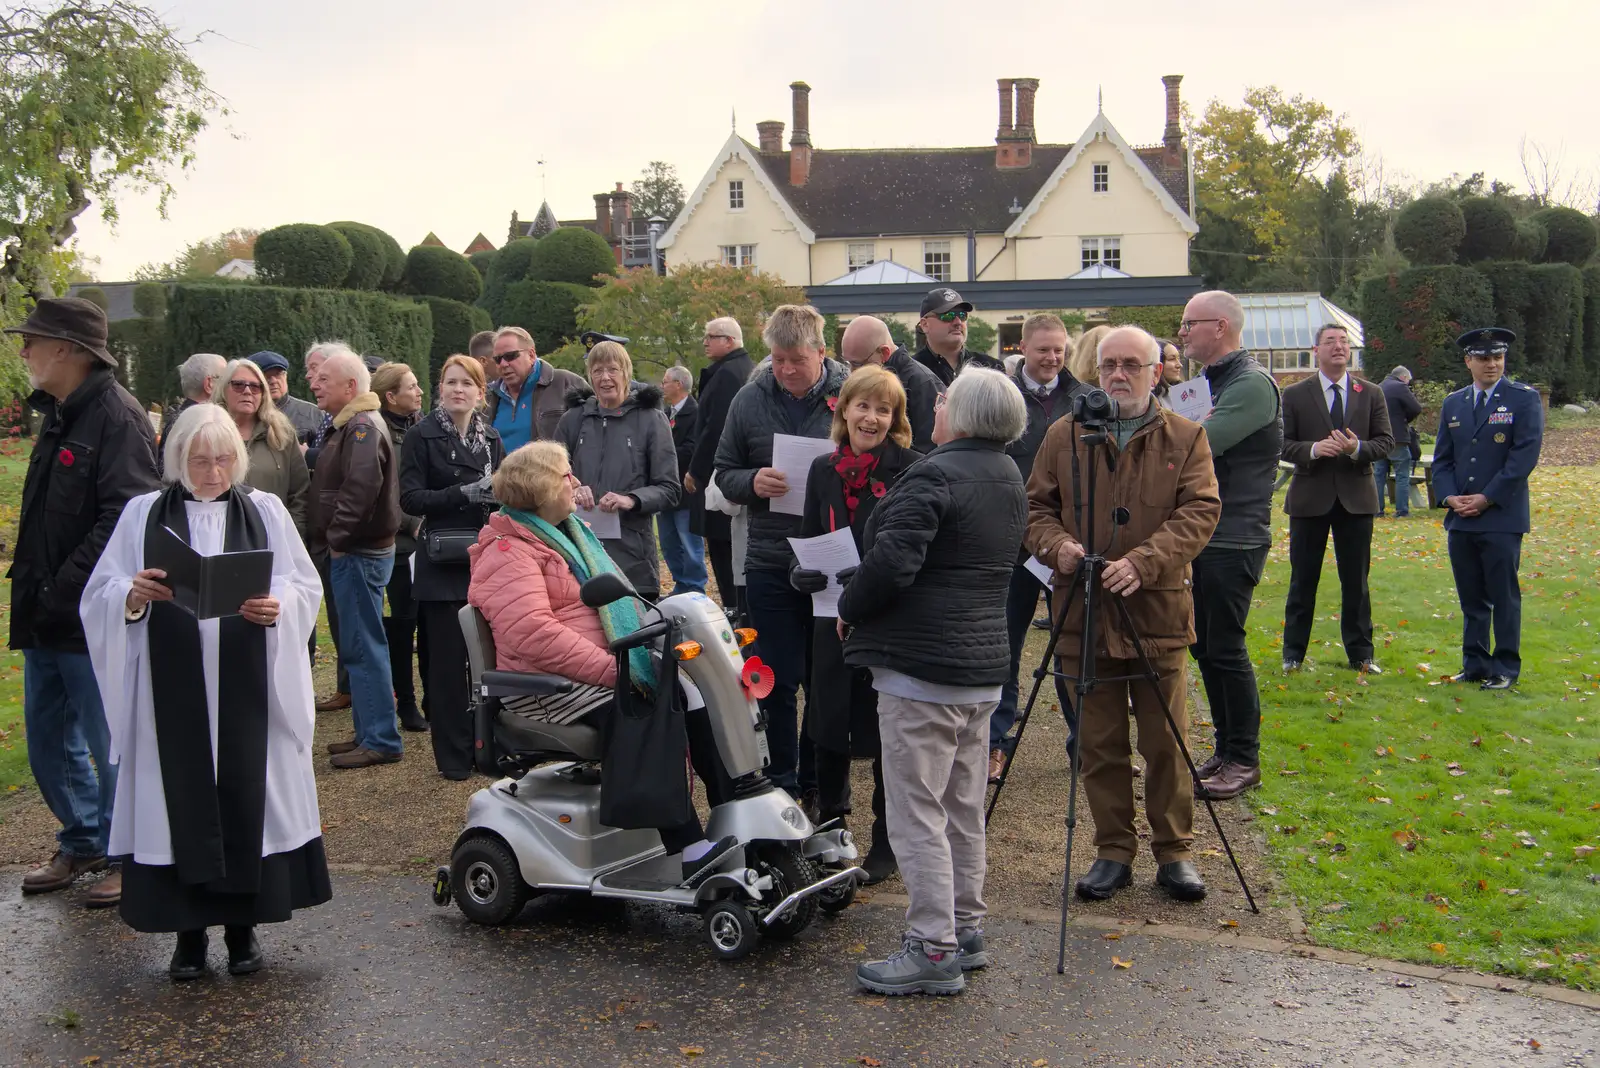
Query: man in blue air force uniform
{"x": 1488, "y": 444}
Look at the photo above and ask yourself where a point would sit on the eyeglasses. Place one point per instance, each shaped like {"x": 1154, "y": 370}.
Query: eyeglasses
{"x": 1189, "y": 324}
{"x": 939, "y": 402}
{"x": 724, "y": 337}
{"x": 244, "y": 387}
{"x": 1127, "y": 367}
{"x": 952, "y": 316}
{"x": 509, "y": 357}
{"x": 570, "y": 477}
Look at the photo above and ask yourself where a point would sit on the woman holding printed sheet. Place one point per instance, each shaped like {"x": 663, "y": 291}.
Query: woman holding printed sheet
{"x": 871, "y": 435}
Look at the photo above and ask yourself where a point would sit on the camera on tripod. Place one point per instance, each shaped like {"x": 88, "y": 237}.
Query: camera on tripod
{"x": 1094, "y": 408}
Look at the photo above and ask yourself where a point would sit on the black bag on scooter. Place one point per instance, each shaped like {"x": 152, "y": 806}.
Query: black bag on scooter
{"x": 643, "y": 784}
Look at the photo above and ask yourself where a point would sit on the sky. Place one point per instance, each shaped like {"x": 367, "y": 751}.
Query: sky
{"x": 424, "y": 116}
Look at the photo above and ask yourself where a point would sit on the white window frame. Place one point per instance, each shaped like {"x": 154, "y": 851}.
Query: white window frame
{"x": 938, "y": 271}
{"x": 736, "y": 194}
{"x": 854, "y": 258}
{"x": 1100, "y": 177}
{"x": 737, "y": 255}
{"x": 1096, "y": 250}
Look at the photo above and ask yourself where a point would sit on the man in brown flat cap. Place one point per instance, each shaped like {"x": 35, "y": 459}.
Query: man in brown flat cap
{"x": 95, "y": 451}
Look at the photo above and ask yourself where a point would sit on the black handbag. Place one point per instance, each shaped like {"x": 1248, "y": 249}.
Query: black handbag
{"x": 643, "y": 783}
{"x": 449, "y": 546}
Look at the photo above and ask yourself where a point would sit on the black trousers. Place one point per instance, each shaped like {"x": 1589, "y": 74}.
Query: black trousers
{"x": 341, "y": 673}
{"x": 1485, "y": 567}
{"x": 720, "y": 552}
{"x": 833, "y": 788}
{"x": 1224, "y": 582}
{"x": 444, "y": 670}
{"x": 400, "y": 627}
{"x": 1352, "y": 552}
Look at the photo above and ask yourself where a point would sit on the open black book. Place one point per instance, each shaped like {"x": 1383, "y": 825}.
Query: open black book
{"x": 208, "y": 587}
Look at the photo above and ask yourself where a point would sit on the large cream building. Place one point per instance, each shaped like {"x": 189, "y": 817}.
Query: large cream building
{"x": 1015, "y": 211}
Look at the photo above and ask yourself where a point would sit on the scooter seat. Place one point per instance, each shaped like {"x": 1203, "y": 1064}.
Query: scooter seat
{"x": 522, "y": 684}
{"x": 520, "y": 735}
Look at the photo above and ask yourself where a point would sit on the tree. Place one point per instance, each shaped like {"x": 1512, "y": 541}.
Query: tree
{"x": 202, "y": 259}
{"x": 1571, "y": 235}
{"x": 433, "y": 271}
{"x": 368, "y": 259}
{"x": 97, "y": 99}
{"x": 1491, "y": 230}
{"x": 303, "y": 255}
{"x": 1430, "y": 230}
{"x": 658, "y": 192}
{"x": 665, "y": 315}
{"x": 571, "y": 254}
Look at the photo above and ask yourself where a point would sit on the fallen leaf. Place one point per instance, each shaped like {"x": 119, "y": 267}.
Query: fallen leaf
{"x": 1118, "y": 962}
{"x": 1502, "y": 792}
{"x": 1227, "y": 923}
{"x": 1287, "y": 1004}
{"x": 1040, "y": 1062}
{"x": 1533, "y": 1043}
{"x": 1437, "y": 947}
{"x": 1112, "y": 936}
{"x": 646, "y": 1025}
{"x": 1582, "y": 851}
{"x": 870, "y": 1062}
{"x": 1404, "y": 984}
{"x": 691, "y": 1051}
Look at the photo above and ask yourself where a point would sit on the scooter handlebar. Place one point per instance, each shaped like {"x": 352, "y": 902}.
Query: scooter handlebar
{"x": 642, "y": 636}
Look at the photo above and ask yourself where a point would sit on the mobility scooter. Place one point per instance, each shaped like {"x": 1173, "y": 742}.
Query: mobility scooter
{"x": 537, "y": 829}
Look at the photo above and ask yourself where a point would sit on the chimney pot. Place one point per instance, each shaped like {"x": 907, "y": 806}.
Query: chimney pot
{"x": 769, "y": 134}
{"x": 800, "y": 138}
{"x": 1006, "y": 94}
{"x": 1173, "y": 135}
{"x": 1026, "y": 87}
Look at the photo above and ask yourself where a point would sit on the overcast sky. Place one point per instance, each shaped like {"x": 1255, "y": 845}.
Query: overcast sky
{"x": 418, "y": 116}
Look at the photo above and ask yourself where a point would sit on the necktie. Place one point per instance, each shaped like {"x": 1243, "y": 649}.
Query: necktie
{"x": 1336, "y": 413}
{"x": 1482, "y": 403}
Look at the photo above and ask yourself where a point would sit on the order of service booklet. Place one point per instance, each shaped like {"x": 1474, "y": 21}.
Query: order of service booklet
{"x": 209, "y": 587}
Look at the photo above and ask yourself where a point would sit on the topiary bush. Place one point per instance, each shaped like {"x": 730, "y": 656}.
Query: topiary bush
{"x": 432, "y": 271}
{"x": 1429, "y": 230}
{"x": 510, "y": 265}
{"x": 1414, "y": 316}
{"x": 1571, "y": 236}
{"x": 150, "y": 299}
{"x": 1588, "y": 378}
{"x": 368, "y": 258}
{"x": 394, "y": 257}
{"x": 144, "y": 361}
{"x": 454, "y": 323}
{"x": 302, "y": 255}
{"x": 1532, "y": 237}
{"x": 482, "y": 260}
{"x": 547, "y": 310}
{"x": 96, "y": 296}
{"x": 234, "y": 319}
{"x": 1158, "y": 320}
{"x": 1553, "y": 347}
{"x": 571, "y": 254}
{"x": 1491, "y": 230}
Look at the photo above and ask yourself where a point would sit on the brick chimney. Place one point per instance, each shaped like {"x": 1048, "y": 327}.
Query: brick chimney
{"x": 602, "y": 214}
{"x": 1014, "y": 141}
{"x": 770, "y": 135}
{"x": 621, "y": 212}
{"x": 1172, "y": 136}
{"x": 800, "y": 139}
{"x": 1006, "y": 93}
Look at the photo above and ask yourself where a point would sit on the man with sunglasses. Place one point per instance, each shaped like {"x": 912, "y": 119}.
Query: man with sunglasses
{"x": 1245, "y": 432}
{"x": 944, "y": 325}
{"x": 527, "y": 402}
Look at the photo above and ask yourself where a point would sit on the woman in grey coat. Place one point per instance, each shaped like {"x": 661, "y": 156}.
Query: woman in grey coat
{"x": 276, "y": 463}
{"x": 620, "y": 446}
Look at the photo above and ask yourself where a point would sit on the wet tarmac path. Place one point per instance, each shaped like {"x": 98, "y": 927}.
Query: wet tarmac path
{"x": 380, "y": 976}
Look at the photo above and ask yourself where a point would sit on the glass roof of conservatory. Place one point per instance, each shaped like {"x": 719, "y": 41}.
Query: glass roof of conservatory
{"x": 1290, "y": 320}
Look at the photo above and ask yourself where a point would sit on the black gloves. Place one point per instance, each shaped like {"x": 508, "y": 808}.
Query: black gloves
{"x": 846, "y": 575}
{"x": 807, "y": 581}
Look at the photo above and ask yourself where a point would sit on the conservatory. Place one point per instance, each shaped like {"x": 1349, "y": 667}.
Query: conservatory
{"x": 1281, "y": 329}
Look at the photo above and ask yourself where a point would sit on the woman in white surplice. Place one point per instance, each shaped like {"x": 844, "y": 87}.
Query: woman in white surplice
{"x": 211, "y": 720}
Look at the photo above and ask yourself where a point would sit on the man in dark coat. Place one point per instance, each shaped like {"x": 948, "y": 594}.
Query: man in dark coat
{"x": 1403, "y": 411}
{"x": 867, "y": 340}
{"x": 683, "y": 550}
{"x": 944, "y": 324}
{"x": 197, "y": 379}
{"x": 95, "y": 451}
{"x": 1334, "y": 425}
{"x": 730, "y": 368}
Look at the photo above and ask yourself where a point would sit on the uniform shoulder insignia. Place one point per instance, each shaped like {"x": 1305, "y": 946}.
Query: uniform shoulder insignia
{"x": 1521, "y": 385}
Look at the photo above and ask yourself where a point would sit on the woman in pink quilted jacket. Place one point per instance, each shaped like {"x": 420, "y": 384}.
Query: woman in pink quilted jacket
{"x": 527, "y": 567}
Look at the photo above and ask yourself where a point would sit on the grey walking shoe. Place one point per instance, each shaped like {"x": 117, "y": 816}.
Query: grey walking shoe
{"x": 973, "y": 954}
{"x": 914, "y": 970}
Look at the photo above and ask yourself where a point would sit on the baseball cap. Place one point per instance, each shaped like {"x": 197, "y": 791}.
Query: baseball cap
{"x": 938, "y": 301}
{"x": 270, "y": 361}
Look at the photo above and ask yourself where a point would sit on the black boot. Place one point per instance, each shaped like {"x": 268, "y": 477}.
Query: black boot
{"x": 244, "y": 950}
{"x": 398, "y": 633}
{"x": 880, "y": 863}
{"x": 1104, "y": 878}
{"x": 189, "y": 958}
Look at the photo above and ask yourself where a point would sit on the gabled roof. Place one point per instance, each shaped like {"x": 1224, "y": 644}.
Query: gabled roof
{"x": 432, "y": 239}
{"x": 479, "y": 244}
{"x": 1101, "y": 128}
{"x": 882, "y": 273}
{"x": 737, "y": 147}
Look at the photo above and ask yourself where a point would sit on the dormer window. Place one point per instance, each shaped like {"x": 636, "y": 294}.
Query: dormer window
{"x": 736, "y": 195}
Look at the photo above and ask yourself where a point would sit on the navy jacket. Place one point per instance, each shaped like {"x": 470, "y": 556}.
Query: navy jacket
{"x": 1492, "y": 454}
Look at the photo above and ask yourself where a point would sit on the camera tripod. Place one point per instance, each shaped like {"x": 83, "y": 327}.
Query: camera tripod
{"x": 1086, "y": 580}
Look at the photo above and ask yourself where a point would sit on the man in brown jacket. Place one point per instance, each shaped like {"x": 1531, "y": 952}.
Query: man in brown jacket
{"x": 1164, "y": 479}
{"x": 1334, "y": 425}
{"x": 355, "y": 512}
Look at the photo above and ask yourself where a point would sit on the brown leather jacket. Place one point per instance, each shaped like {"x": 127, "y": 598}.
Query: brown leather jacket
{"x": 1166, "y": 482}
{"x": 355, "y": 488}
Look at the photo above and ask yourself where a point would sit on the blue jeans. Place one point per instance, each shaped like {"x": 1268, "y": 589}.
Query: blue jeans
{"x": 66, "y": 725}
{"x": 684, "y": 552}
{"x": 358, "y": 585}
{"x": 1021, "y": 601}
{"x": 782, "y": 618}
{"x": 1399, "y": 459}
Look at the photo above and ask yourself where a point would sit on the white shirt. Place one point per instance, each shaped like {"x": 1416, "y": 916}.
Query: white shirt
{"x": 1344, "y": 390}
{"x": 1035, "y": 387}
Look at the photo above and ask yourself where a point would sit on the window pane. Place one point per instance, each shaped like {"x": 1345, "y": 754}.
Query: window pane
{"x": 736, "y": 193}
{"x": 862, "y": 254}
{"x": 936, "y": 260}
{"x": 1111, "y": 252}
{"x": 1102, "y": 177}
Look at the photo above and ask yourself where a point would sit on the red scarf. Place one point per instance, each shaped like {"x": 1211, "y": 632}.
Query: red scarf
{"x": 856, "y": 474}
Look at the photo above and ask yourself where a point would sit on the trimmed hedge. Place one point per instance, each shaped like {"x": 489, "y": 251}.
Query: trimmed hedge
{"x": 1587, "y": 381}
{"x": 433, "y": 271}
{"x": 454, "y": 323}
{"x": 1429, "y": 230}
{"x": 1532, "y": 237}
{"x": 572, "y": 254}
{"x": 1414, "y": 316}
{"x": 150, "y": 299}
{"x": 1161, "y": 320}
{"x": 1491, "y": 230}
{"x": 510, "y": 265}
{"x": 1544, "y": 305}
{"x": 96, "y": 296}
{"x": 547, "y": 310}
{"x": 1571, "y": 235}
{"x": 245, "y": 319}
{"x": 302, "y": 255}
{"x": 141, "y": 348}
{"x": 482, "y": 260}
{"x": 368, "y": 259}
{"x": 394, "y": 257}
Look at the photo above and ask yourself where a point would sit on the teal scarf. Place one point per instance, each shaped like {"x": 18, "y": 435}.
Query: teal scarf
{"x": 587, "y": 557}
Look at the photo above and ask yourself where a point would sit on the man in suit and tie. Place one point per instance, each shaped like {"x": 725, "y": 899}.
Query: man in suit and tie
{"x": 1334, "y": 426}
{"x": 685, "y": 553}
{"x": 1487, "y": 446}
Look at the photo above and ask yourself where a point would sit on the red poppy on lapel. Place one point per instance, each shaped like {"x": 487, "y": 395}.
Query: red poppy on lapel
{"x": 833, "y": 404}
{"x": 66, "y": 458}
{"x": 1356, "y": 386}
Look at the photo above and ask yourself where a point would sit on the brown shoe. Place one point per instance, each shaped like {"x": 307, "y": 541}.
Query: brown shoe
{"x": 333, "y": 702}
{"x": 59, "y": 873}
{"x": 335, "y": 748}
{"x": 1231, "y": 781}
{"x": 105, "y": 894}
{"x": 364, "y": 758}
{"x": 997, "y": 764}
{"x": 1209, "y": 767}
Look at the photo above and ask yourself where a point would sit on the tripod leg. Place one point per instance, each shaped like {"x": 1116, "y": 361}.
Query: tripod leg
{"x": 1072, "y": 830}
{"x": 1153, "y": 679}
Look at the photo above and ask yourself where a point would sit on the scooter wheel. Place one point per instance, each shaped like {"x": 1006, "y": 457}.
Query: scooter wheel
{"x": 441, "y": 887}
{"x": 835, "y": 899}
{"x": 731, "y": 930}
{"x": 487, "y": 882}
{"x": 790, "y": 872}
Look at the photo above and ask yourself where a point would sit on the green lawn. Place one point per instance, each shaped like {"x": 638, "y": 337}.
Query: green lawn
{"x": 13, "y": 749}
{"x": 1417, "y": 819}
